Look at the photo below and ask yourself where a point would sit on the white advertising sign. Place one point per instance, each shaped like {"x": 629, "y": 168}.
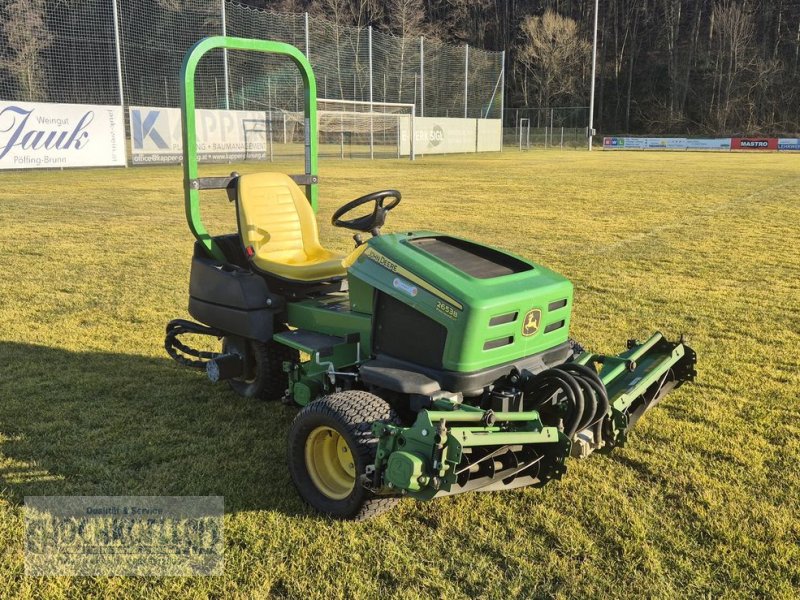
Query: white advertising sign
{"x": 708, "y": 144}
{"x": 665, "y": 143}
{"x": 490, "y": 135}
{"x": 43, "y": 135}
{"x": 222, "y": 135}
{"x": 433, "y": 135}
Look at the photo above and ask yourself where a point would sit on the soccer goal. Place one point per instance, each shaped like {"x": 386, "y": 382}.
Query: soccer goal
{"x": 354, "y": 129}
{"x": 524, "y": 127}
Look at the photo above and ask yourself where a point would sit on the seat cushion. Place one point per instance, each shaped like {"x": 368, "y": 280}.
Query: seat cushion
{"x": 325, "y": 265}
{"x": 279, "y": 229}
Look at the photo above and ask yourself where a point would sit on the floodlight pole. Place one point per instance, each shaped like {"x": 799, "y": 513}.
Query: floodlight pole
{"x": 225, "y": 58}
{"x": 466, "y": 79}
{"x": 502, "y": 96}
{"x": 118, "y": 55}
{"x": 305, "y": 24}
{"x": 594, "y": 74}
{"x": 371, "y": 132}
{"x": 421, "y": 76}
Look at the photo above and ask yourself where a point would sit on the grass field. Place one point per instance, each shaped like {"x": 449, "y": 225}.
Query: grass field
{"x": 703, "y": 502}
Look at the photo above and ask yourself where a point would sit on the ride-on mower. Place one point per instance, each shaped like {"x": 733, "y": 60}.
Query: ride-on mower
{"x": 425, "y": 364}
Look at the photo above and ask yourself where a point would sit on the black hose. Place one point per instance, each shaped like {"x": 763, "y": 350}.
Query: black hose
{"x": 590, "y": 377}
{"x": 175, "y": 347}
{"x": 589, "y": 401}
{"x": 542, "y": 386}
{"x": 583, "y": 391}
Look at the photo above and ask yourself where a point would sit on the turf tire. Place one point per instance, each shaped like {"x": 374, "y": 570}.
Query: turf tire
{"x": 351, "y": 413}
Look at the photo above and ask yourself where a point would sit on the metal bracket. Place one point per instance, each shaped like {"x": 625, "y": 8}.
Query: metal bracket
{"x": 222, "y": 183}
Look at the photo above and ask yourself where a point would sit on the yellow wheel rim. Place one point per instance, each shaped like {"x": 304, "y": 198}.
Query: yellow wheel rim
{"x": 330, "y": 463}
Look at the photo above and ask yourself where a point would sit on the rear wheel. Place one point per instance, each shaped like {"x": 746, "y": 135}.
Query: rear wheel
{"x": 330, "y": 446}
{"x": 263, "y": 375}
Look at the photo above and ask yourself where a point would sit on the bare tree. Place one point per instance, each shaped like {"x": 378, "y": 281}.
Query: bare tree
{"x": 27, "y": 35}
{"x": 733, "y": 37}
{"x": 554, "y": 56}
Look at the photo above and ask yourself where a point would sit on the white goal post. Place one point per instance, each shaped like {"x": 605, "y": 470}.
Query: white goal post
{"x": 368, "y": 125}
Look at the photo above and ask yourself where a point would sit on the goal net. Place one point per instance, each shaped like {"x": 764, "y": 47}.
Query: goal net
{"x": 354, "y": 129}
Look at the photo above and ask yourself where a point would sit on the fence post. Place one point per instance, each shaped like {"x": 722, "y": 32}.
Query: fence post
{"x": 371, "y": 133}
{"x": 422, "y": 76}
{"x": 119, "y": 64}
{"x": 466, "y": 79}
{"x": 305, "y": 19}
{"x": 225, "y": 59}
{"x": 411, "y": 141}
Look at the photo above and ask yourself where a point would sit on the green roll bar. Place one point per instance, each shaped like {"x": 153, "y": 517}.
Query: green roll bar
{"x": 192, "y": 183}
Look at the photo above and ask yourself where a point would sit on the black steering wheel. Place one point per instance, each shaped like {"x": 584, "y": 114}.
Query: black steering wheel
{"x": 371, "y": 222}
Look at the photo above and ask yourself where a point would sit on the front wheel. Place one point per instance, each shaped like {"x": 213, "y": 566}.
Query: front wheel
{"x": 330, "y": 446}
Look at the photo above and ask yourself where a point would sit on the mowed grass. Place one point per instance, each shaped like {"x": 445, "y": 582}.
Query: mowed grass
{"x": 703, "y": 502}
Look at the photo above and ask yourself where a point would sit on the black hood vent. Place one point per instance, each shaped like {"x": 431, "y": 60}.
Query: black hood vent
{"x": 473, "y": 259}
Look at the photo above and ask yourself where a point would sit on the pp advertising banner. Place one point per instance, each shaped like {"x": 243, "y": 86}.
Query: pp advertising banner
{"x": 43, "y": 135}
{"x": 754, "y": 143}
{"x": 222, "y": 135}
{"x": 789, "y": 144}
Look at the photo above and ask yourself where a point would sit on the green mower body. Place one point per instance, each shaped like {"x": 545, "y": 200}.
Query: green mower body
{"x": 429, "y": 365}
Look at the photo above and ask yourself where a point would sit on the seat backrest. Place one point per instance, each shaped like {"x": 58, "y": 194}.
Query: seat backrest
{"x": 275, "y": 217}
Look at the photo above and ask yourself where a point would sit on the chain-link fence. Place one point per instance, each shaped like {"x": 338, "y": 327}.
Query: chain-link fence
{"x": 557, "y": 127}
{"x": 129, "y": 52}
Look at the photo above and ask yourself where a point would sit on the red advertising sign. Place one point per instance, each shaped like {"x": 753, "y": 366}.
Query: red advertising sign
{"x": 754, "y": 143}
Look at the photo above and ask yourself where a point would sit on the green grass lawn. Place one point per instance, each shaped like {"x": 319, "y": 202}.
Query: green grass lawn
{"x": 704, "y": 501}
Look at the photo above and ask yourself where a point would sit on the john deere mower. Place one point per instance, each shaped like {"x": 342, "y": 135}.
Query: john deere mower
{"x": 425, "y": 364}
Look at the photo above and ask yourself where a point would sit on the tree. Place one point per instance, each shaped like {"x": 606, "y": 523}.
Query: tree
{"x": 27, "y": 37}
{"x": 554, "y": 57}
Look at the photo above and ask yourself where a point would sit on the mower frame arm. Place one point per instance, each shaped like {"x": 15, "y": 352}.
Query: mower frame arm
{"x": 191, "y": 183}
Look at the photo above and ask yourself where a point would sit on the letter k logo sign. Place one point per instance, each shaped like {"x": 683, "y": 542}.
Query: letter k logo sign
{"x": 146, "y": 128}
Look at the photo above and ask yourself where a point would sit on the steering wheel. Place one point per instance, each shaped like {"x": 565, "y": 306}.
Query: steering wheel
{"x": 371, "y": 222}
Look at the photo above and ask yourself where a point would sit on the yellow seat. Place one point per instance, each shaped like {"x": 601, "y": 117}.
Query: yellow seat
{"x": 279, "y": 230}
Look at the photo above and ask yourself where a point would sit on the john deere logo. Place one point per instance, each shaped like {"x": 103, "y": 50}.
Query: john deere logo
{"x": 531, "y": 323}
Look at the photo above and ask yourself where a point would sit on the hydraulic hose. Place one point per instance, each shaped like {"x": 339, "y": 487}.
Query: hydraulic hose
{"x": 175, "y": 347}
{"x": 582, "y": 390}
{"x": 590, "y": 378}
{"x": 544, "y": 385}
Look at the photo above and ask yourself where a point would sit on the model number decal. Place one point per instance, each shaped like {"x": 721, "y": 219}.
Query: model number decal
{"x": 447, "y": 310}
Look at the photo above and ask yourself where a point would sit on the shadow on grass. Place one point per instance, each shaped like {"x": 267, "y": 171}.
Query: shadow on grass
{"x": 97, "y": 423}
